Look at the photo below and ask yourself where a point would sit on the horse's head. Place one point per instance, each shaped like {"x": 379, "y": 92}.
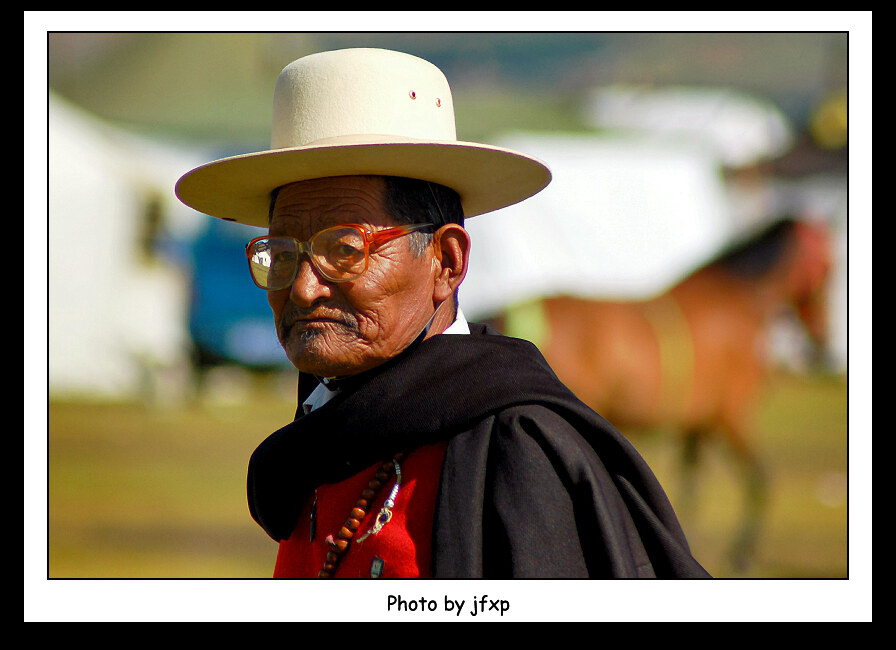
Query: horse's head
{"x": 808, "y": 277}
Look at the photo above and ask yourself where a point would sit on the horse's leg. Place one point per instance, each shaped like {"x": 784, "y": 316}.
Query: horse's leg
{"x": 690, "y": 461}
{"x": 755, "y": 481}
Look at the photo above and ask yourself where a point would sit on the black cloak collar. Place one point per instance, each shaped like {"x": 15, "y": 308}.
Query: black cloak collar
{"x": 443, "y": 386}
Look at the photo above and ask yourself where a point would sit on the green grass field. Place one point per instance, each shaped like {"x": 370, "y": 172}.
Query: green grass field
{"x": 147, "y": 492}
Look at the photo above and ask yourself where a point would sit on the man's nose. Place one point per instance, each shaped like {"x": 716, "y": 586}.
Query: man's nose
{"x": 308, "y": 286}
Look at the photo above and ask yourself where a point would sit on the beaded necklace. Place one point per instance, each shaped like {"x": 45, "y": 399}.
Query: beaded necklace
{"x": 339, "y": 544}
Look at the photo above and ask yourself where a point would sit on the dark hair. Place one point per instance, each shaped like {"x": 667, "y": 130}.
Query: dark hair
{"x": 274, "y": 193}
{"x": 409, "y": 200}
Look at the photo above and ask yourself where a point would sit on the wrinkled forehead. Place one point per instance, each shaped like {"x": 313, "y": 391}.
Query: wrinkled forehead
{"x": 306, "y": 207}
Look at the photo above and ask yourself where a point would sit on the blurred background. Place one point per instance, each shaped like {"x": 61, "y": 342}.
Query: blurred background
{"x": 669, "y": 150}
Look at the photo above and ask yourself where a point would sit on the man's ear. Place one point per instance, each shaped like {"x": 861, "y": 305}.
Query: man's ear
{"x": 451, "y": 248}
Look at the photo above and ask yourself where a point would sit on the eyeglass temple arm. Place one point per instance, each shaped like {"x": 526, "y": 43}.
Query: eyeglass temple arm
{"x": 382, "y": 236}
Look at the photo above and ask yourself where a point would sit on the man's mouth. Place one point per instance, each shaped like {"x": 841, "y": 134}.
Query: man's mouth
{"x": 318, "y": 322}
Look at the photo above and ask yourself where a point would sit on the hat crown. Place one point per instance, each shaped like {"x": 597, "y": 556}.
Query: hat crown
{"x": 361, "y": 91}
{"x": 362, "y": 111}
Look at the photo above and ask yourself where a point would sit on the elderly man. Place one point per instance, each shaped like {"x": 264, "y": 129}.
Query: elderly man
{"x": 424, "y": 445}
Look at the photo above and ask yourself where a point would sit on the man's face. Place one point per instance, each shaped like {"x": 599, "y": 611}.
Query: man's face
{"x": 334, "y": 329}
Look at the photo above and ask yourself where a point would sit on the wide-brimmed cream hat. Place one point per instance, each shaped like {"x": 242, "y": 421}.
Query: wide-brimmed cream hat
{"x": 362, "y": 111}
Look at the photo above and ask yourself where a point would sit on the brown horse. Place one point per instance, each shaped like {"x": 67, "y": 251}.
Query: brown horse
{"x": 692, "y": 358}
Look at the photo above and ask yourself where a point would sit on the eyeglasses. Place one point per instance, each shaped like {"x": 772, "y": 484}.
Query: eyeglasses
{"x": 340, "y": 254}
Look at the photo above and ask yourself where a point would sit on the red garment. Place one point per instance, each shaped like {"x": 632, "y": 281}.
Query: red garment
{"x": 404, "y": 544}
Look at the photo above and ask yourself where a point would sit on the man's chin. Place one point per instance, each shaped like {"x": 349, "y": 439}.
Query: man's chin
{"x": 332, "y": 350}
{"x": 312, "y": 355}
{"x": 324, "y": 365}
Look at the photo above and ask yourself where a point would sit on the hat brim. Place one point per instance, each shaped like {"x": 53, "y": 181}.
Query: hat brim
{"x": 486, "y": 177}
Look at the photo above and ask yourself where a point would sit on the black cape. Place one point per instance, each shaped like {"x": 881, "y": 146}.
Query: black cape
{"x": 535, "y": 484}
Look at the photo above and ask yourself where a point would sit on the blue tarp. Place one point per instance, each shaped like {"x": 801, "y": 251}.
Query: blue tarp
{"x": 230, "y": 320}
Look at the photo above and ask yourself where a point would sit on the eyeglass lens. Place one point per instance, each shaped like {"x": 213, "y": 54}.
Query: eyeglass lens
{"x": 338, "y": 253}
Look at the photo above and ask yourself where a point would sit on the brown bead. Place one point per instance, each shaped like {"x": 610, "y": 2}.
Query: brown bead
{"x": 339, "y": 543}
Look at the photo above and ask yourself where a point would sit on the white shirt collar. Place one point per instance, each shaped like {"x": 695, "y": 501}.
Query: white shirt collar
{"x": 321, "y": 394}
{"x": 459, "y": 326}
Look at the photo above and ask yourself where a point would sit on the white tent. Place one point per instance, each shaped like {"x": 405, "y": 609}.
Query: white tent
{"x": 114, "y": 315}
{"x": 625, "y": 217}
{"x": 739, "y": 129}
